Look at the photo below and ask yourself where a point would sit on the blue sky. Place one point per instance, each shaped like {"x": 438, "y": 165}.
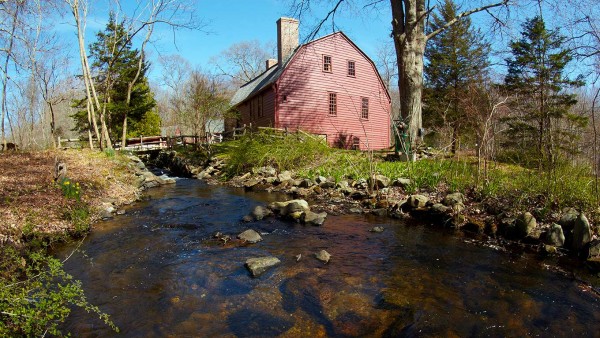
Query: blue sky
{"x": 230, "y": 21}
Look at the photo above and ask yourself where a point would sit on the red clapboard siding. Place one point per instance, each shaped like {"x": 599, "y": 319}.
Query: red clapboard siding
{"x": 268, "y": 105}
{"x": 303, "y": 94}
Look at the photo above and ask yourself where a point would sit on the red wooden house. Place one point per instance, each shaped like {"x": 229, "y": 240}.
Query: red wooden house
{"x": 327, "y": 87}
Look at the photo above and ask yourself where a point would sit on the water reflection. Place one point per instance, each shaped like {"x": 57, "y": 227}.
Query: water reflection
{"x": 158, "y": 273}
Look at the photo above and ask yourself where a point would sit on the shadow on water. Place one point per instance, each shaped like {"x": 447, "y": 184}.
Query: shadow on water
{"x": 159, "y": 272}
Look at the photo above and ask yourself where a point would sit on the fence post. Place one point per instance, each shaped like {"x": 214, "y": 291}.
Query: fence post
{"x": 59, "y": 143}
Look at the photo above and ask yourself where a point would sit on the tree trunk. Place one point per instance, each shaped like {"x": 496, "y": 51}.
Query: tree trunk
{"x": 408, "y": 29}
{"x": 455, "y": 144}
{"x": 5, "y": 72}
{"x": 52, "y": 124}
{"x": 123, "y": 137}
{"x": 85, "y": 70}
{"x": 89, "y": 110}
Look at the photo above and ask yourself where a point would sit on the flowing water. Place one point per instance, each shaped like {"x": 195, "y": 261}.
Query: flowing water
{"x": 157, "y": 271}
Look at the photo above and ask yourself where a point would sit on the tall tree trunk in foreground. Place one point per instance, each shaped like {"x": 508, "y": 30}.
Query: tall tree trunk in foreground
{"x": 410, "y": 38}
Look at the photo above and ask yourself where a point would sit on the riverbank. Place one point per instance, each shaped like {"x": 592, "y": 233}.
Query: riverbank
{"x": 552, "y": 213}
{"x": 34, "y": 203}
{"x": 41, "y": 206}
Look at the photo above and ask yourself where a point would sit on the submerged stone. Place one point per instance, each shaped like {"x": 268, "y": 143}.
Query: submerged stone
{"x": 250, "y": 236}
{"x": 259, "y": 265}
{"x": 313, "y": 218}
{"x": 259, "y": 212}
{"x": 323, "y": 256}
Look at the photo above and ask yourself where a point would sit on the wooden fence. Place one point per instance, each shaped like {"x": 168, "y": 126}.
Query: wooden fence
{"x": 168, "y": 142}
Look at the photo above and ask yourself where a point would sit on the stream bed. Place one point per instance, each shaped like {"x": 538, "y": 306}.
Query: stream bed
{"x": 157, "y": 271}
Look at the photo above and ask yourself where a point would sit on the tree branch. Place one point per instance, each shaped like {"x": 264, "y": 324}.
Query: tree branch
{"x": 462, "y": 15}
{"x": 331, "y": 13}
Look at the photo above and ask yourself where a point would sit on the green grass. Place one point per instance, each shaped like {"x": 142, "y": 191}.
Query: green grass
{"x": 564, "y": 186}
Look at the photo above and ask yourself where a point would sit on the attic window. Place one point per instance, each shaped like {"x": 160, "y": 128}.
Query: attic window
{"x": 327, "y": 63}
{"x": 351, "y": 68}
{"x": 332, "y": 104}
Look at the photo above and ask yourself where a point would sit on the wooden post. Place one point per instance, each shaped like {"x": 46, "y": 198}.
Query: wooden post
{"x": 59, "y": 145}
{"x": 141, "y": 142}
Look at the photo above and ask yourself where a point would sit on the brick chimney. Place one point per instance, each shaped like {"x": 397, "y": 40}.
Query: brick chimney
{"x": 287, "y": 39}
{"x": 270, "y": 63}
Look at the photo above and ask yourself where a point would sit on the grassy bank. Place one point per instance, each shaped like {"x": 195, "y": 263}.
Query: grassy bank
{"x": 520, "y": 188}
{"x": 36, "y": 212}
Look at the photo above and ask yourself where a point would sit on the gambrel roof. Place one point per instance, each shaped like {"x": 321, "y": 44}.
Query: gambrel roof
{"x": 272, "y": 74}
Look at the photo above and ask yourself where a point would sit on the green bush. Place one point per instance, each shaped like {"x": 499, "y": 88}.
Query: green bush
{"x": 36, "y": 295}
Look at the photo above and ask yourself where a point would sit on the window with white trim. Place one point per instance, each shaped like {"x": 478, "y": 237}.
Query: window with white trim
{"x": 327, "y": 63}
{"x": 364, "y": 111}
{"x": 351, "y": 68}
{"x": 332, "y": 104}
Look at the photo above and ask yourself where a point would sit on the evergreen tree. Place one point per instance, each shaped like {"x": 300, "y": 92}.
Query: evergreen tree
{"x": 535, "y": 76}
{"x": 456, "y": 58}
{"x": 115, "y": 64}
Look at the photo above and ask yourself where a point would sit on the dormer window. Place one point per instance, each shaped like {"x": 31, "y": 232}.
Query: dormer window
{"x": 351, "y": 68}
{"x": 327, "y": 63}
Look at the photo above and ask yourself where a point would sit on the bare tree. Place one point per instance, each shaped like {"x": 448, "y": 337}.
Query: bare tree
{"x": 243, "y": 61}
{"x": 385, "y": 60}
{"x": 79, "y": 11}
{"x": 176, "y": 14}
{"x": 204, "y": 102}
{"x": 51, "y": 82}
{"x": 176, "y": 72}
{"x": 10, "y": 13}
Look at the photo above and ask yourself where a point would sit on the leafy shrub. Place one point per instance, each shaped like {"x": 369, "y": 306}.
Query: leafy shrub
{"x": 36, "y": 295}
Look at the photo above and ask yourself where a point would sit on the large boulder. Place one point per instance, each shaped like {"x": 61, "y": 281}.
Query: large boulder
{"x": 524, "y": 225}
{"x": 594, "y": 248}
{"x": 555, "y": 235}
{"x": 582, "y": 232}
{"x": 452, "y": 199}
{"x": 312, "y": 218}
{"x": 259, "y": 265}
{"x": 251, "y": 183}
{"x": 417, "y": 201}
{"x": 267, "y": 171}
{"x": 344, "y": 187}
{"x": 402, "y": 183}
{"x": 379, "y": 182}
{"x": 293, "y": 208}
{"x": 250, "y": 236}
{"x": 284, "y": 176}
{"x": 306, "y": 183}
{"x": 576, "y": 228}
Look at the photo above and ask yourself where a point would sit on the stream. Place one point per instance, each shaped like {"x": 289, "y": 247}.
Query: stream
{"x": 157, "y": 271}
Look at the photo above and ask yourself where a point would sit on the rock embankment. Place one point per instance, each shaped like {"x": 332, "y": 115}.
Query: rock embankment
{"x": 568, "y": 231}
{"x": 143, "y": 179}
